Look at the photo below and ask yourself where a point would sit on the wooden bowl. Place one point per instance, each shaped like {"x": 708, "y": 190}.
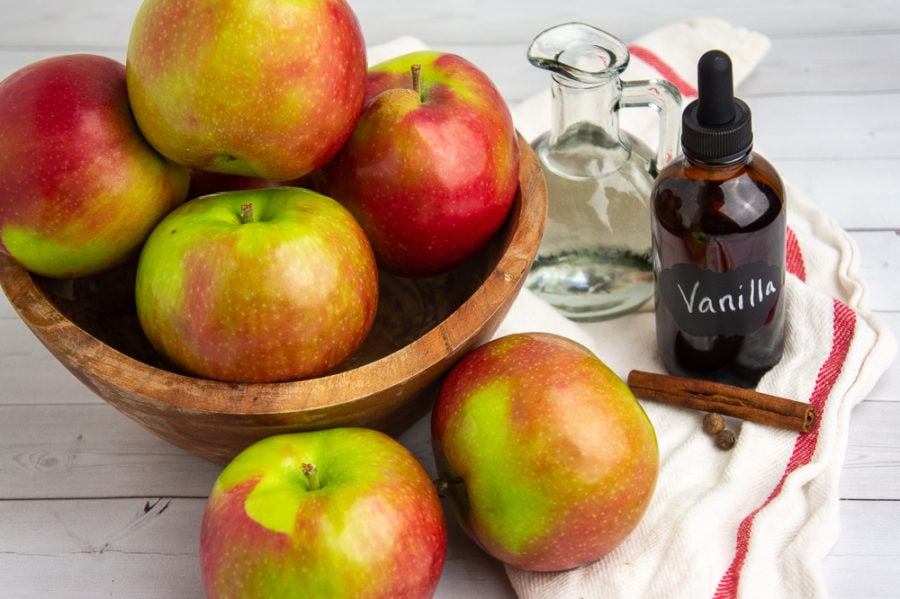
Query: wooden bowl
{"x": 422, "y": 327}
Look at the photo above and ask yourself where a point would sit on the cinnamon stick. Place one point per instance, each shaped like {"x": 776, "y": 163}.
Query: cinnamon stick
{"x": 723, "y": 399}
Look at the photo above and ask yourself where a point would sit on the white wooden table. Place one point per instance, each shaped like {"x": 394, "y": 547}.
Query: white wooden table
{"x": 91, "y": 505}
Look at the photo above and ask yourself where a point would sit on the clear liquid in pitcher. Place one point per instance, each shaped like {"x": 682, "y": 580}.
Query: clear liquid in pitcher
{"x": 588, "y": 281}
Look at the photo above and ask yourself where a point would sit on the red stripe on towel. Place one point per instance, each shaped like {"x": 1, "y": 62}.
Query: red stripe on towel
{"x": 795, "y": 263}
{"x": 843, "y": 329}
{"x": 663, "y": 68}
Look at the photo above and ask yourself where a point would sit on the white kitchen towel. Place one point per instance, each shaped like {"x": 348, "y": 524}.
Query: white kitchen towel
{"x": 756, "y": 521}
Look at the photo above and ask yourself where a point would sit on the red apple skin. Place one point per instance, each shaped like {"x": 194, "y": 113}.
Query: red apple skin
{"x": 80, "y": 188}
{"x": 287, "y": 296}
{"x": 374, "y": 529}
{"x": 430, "y": 176}
{"x": 550, "y": 460}
{"x": 268, "y": 89}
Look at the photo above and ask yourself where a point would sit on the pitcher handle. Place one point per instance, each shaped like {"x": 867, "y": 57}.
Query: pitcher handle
{"x": 665, "y": 99}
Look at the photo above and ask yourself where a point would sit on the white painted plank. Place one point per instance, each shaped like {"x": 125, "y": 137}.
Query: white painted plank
{"x": 827, "y": 127}
{"x": 841, "y": 62}
{"x": 52, "y": 452}
{"x": 91, "y": 450}
{"x": 798, "y": 66}
{"x": 140, "y": 547}
{"x": 148, "y": 547}
{"x": 865, "y": 561}
{"x": 30, "y": 373}
{"x": 886, "y": 389}
{"x": 502, "y": 21}
{"x": 58, "y": 451}
{"x": 872, "y": 462}
{"x": 98, "y": 22}
{"x": 61, "y": 24}
{"x": 879, "y": 267}
{"x": 794, "y": 68}
{"x": 858, "y": 193}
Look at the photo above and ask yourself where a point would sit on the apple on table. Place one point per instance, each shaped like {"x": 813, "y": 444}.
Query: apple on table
{"x": 80, "y": 188}
{"x": 258, "y": 285}
{"x": 431, "y": 169}
{"x": 344, "y": 512}
{"x": 548, "y": 460}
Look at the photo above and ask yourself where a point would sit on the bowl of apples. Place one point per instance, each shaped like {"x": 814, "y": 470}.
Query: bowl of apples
{"x": 368, "y": 226}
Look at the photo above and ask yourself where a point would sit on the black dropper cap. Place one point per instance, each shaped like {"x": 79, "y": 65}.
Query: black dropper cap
{"x": 716, "y": 128}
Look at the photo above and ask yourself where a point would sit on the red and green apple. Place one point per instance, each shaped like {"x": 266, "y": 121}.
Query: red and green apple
{"x": 264, "y": 89}
{"x": 344, "y": 512}
{"x": 258, "y": 285}
{"x": 80, "y": 188}
{"x": 431, "y": 168}
{"x": 548, "y": 460}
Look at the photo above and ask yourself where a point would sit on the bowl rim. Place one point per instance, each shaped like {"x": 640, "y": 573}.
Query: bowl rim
{"x": 104, "y": 362}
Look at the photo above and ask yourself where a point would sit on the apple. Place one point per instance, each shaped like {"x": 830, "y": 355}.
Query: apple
{"x": 344, "y": 512}
{"x": 259, "y": 285}
{"x": 80, "y": 188}
{"x": 263, "y": 89}
{"x": 431, "y": 168}
{"x": 548, "y": 460}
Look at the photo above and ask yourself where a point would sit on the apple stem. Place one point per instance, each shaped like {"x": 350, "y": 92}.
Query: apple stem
{"x": 312, "y": 476}
{"x": 417, "y": 78}
{"x": 246, "y": 213}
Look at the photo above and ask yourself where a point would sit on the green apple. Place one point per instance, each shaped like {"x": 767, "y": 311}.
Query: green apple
{"x": 346, "y": 512}
{"x": 268, "y": 89}
{"x": 548, "y": 459}
{"x": 257, "y": 285}
{"x": 431, "y": 168}
{"x": 80, "y": 188}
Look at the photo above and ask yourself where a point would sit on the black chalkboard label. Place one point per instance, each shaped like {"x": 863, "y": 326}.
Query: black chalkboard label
{"x": 707, "y": 303}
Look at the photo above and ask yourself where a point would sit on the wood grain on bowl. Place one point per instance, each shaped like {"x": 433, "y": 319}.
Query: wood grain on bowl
{"x": 423, "y": 326}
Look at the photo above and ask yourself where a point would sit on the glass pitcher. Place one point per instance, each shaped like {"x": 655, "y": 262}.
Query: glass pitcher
{"x": 594, "y": 261}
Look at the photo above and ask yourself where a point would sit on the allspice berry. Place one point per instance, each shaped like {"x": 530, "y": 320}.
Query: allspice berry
{"x": 713, "y": 424}
{"x": 724, "y": 439}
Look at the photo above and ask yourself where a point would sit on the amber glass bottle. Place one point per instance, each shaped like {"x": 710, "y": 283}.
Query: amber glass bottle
{"x": 719, "y": 242}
